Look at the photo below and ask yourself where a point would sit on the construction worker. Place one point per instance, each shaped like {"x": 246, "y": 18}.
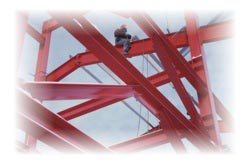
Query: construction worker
{"x": 122, "y": 38}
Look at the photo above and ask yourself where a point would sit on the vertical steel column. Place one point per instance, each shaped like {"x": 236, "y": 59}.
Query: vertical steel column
{"x": 22, "y": 19}
{"x": 206, "y": 101}
{"x": 43, "y": 55}
{"x": 40, "y": 75}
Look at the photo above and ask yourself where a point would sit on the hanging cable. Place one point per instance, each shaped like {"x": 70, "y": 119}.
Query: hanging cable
{"x": 142, "y": 71}
{"x": 139, "y": 122}
{"x": 147, "y": 76}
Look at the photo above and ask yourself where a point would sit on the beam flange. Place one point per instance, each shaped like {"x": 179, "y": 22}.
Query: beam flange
{"x": 64, "y": 91}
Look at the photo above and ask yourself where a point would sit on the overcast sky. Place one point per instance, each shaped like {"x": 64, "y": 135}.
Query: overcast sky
{"x": 116, "y": 123}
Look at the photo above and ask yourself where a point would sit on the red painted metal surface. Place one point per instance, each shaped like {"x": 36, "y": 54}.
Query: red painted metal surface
{"x": 66, "y": 91}
{"x": 54, "y": 130}
{"x": 35, "y": 34}
{"x": 153, "y": 31}
{"x": 92, "y": 105}
{"x": 30, "y": 142}
{"x": 173, "y": 76}
{"x": 51, "y": 25}
{"x": 41, "y": 66}
{"x": 87, "y": 107}
{"x": 146, "y": 45}
{"x": 22, "y": 20}
{"x": 146, "y": 141}
{"x": 151, "y": 97}
{"x": 157, "y": 80}
{"x": 152, "y": 139}
{"x": 206, "y": 102}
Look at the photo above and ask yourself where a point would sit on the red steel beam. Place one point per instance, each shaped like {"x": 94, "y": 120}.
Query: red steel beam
{"x": 86, "y": 107}
{"x": 22, "y": 19}
{"x": 150, "y": 97}
{"x": 42, "y": 59}
{"x": 175, "y": 55}
{"x": 157, "y": 80}
{"x": 171, "y": 58}
{"x": 48, "y": 127}
{"x": 146, "y": 141}
{"x": 197, "y": 64}
{"x": 222, "y": 111}
{"x": 92, "y": 105}
{"x": 152, "y": 139}
{"x": 51, "y": 25}
{"x": 173, "y": 76}
{"x": 179, "y": 40}
{"x": 30, "y": 141}
{"x": 41, "y": 66}
{"x": 64, "y": 91}
{"x": 206, "y": 101}
{"x": 35, "y": 34}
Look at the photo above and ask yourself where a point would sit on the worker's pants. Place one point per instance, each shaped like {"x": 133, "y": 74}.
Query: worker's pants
{"x": 125, "y": 43}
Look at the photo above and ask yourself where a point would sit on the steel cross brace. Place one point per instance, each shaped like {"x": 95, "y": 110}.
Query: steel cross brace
{"x": 112, "y": 58}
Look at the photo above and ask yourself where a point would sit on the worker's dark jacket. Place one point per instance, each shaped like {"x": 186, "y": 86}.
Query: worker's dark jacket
{"x": 121, "y": 33}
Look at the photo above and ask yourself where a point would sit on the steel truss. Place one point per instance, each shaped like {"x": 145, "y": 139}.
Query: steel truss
{"x": 202, "y": 129}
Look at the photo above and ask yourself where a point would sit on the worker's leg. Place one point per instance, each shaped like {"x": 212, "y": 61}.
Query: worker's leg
{"x": 126, "y": 45}
{"x": 120, "y": 42}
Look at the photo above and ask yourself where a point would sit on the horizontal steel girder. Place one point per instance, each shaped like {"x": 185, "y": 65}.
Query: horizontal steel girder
{"x": 51, "y": 129}
{"x": 157, "y": 80}
{"x": 146, "y": 45}
{"x": 146, "y": 141}
{"x": 65, "y": 91}
{"x": 92, "y": 105}
{"x": 86, "y": 107}
{"x": 150, "y": 96}
{"x": 152, "y": 139}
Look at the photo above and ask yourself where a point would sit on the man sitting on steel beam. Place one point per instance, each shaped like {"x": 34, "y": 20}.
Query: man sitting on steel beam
{"x": 122, "y": 38}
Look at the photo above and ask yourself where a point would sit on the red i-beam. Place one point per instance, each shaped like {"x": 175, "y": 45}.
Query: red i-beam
{"x": 206, "y": 101}
{"x": 202, "y": 130}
